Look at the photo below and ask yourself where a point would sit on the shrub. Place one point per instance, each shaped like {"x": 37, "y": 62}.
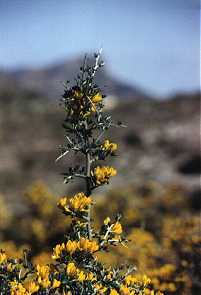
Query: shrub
{"x": 75, "y": 268}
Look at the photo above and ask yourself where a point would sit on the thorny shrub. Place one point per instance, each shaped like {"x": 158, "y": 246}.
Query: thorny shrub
{"x": 75, "y": 268}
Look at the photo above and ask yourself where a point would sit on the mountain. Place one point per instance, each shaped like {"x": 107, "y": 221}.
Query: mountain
{"x": 48, "y": 81}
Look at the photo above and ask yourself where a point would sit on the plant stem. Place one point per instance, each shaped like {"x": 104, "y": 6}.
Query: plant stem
{"x": 88, "y": 172}
{"x": 88, "y": 190}
{"x": 88, "y": 184}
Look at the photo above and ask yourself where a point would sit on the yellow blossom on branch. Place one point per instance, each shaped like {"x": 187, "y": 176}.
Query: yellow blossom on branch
{"x": 71, "y": 269}
{"x": 43, "y": 275}
{"x": 97, "y": 98}
{"x": 71, "y": 246}
{"x": 114, "y": 292}
{"x": 117, "y": 228}
{"x": 79, "y": 202}
{"x": 107, "y": 220}
{"x": 57, "y": 251}
{"x": 109, "y": 146}
{"x": 56, "y": 284}
{"x": 87, "y": 245}
{"x": 3, "y": 257}
{"x": 103, "y": 174}
{"x": 32, "y": 287}
{"x": 43, "y": 271}
{"x": 17, "y": 288}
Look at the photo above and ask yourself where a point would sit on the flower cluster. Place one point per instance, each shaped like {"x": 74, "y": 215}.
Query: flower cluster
{"x": 108, "y": 146}
{"x": 103, "y": 174}
{"x": 166, "y": 247}
{"x": 75, "y": 206}
{"x": 83, "y": 245}
{"x": 18, "y": 277}
{"x": 79, "y": 104}
{"x": 78, "y": 274}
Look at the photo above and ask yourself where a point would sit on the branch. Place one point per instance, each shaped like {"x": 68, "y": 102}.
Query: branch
{"x": 62, "y": 155}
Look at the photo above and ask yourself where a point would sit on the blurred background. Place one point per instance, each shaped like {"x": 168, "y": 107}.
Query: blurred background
{"x": 152, "y": 79}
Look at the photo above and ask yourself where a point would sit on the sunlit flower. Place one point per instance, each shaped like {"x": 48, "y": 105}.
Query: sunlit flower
{"x": 97, "y": 98}
{"x": 79, "y": 202}
{"x": 3, "y": 257}
{"x": 117, "y": 228}
{"x": 107, "y": 221}
{"x": 32, "y": 287}
{"x": 56, "y": 284}
{"x": 114, "y": 292}
{"x": 87, "y": 245}
{"x": 102, "y": 174}
{"x": 109, "y": 146}
{"x": 57, "y": 251}
{"x": 71, "y": 269}
{"x": 71, "y": 246}
{"x": 17, "y": 288}
{"x": 81, "y": 276}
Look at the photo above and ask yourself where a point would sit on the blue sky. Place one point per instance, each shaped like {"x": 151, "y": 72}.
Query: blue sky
{"x": 151, "y": 43}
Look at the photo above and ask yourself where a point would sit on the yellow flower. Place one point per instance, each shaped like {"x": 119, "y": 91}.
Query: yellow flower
{"x": 71, "y": 269}
{"x": 56, "y": 284}
{"x": 97, "y": 98}
{"x": 129, "y": 280}
{"x": 57, "y": 251}
{"x": 71, "y": 246}
{"x": 17, "y": 288}
{"x": 2, "y": 257}
{"x": 45, "y": 283}
{"x": 113, "y": 292}
{"x": 146, "y": 280}
{"x": 81, "y": 276}
{"x": 43, "y": 271}
{"x": 107, "y": 220}
{"x": 137, "y": 279}
{"x": 90, "y": 276}
{"x": 32, "y": 287}
{"x": 101, "y": 288}
{"x": 79, "y": 202}
{"x": 117, "y": 228}
{"x": 125, "y": 290}
{"x": 109, "y": 146}
{"x": 10, "y": 267}
{"x": 62, "y": 202}
{"x": 102, "y": 174}
{"x": 74, "y": 272}
{"x": 87, "y": 245}
{"x": 43, "y": 275}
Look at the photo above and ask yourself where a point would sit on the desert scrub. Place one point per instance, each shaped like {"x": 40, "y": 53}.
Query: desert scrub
{"x": 154, "y": 217}
{"x": 75, "y": 268}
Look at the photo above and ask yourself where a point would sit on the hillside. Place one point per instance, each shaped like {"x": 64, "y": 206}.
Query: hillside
{"x": 161, "y": 141}
{"x": 48, "y": 81}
